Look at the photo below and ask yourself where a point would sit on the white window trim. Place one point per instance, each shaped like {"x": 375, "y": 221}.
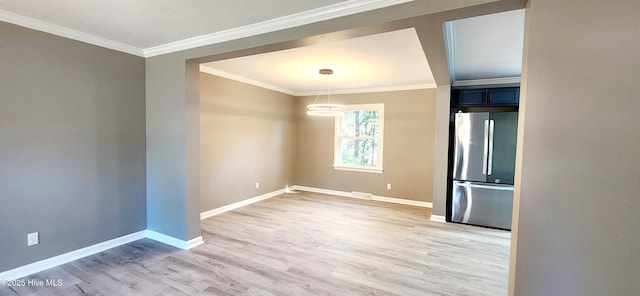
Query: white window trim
{"x": 336, "y": 149}
{"x": 361, "y": 169}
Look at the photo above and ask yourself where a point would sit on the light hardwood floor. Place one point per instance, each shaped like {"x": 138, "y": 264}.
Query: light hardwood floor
{"x": 300, "y": 244}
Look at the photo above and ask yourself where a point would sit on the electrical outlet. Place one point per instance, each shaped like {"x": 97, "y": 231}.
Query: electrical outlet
{"x": 388, "y": 186}
{"x": 257, "y": 185}
{"x": 33, "y": 239}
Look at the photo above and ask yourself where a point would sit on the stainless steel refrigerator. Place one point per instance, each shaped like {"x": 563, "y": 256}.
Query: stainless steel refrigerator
{"x": 483, "y": 168}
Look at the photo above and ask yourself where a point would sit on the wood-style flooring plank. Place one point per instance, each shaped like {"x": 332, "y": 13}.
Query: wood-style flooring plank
{"x": 300, "y": 244}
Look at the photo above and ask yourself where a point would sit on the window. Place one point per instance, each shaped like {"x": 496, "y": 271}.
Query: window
{"x": 358, "y": 138}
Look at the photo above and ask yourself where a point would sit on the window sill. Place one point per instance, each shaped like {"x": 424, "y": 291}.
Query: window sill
{"x": 357, "y": 169}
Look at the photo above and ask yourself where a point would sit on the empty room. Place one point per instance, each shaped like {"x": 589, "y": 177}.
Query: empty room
{"x": 361, "y": 147}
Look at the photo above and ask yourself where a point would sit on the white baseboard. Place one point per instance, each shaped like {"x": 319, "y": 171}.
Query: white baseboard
{"x": 323, "y": 191}
{"x": 45, "y": 264}
{"x": 194, "y": 243}
{"x": 437, "y": 218}
{"x": 48, "y": 263}
{"x": 233, "y": 206}
{"x": 172, "y": 241}
{"x": 423, "y": 204}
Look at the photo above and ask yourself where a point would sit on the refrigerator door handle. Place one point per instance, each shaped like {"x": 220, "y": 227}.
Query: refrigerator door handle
{"x": 485, "y": 152}
{"x": 490, "y": 156}
{"x": 483, "y": 186}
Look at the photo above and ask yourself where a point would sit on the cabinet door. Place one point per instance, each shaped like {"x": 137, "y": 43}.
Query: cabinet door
{"x": 503, "y": 96}
{"x": 469, "y": 97}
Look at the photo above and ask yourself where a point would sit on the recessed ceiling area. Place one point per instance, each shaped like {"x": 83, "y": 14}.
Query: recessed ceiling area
{"x": 482, "y": 47}
{"x": 485, "y": 47}
{"x": 387, "y": 61}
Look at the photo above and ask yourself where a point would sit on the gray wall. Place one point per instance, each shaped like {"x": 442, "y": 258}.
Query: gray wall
{"x": 171, "y": 208}
{"x": 409, "y": 134}
{"x": 247, "y": 135}
{"x": 72, "y": 145}
{"x": 578, "y": 190}
{"x": 173, "y": 147}
{"x": 441, "y": 149}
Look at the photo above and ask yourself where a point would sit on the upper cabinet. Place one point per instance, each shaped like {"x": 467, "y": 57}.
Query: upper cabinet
{"x": 502, "y": 96}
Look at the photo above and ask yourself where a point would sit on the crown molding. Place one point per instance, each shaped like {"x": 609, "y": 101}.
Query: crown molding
{"x": 294, "y": 20}
{"x": 243, "y": 79}
{"x": 50, "y": 28}
{"x": 450, "y": 47}
{"x": 491, "y": 81}
{"x": 371, "y": 89}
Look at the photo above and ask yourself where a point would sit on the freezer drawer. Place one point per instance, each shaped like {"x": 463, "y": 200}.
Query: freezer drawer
{"x": 482, "y": 204}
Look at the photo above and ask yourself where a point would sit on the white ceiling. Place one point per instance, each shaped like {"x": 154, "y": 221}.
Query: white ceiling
{"x": 481, "y": 47}
{"x": 481, "y": 50}
{"x": 486, "y": 47}
{"x": 388, "y": 61}
{"x": 152, "y": 27}
{"x": 149, "y": 23}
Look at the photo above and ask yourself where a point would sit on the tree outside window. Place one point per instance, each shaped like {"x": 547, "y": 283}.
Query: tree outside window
{"x": 359, "y": 138}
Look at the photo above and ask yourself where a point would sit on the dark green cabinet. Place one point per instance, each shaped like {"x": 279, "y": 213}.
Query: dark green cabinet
{"x": 501, "y": 96}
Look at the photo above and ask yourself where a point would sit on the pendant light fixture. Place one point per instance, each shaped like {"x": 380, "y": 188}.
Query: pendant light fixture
{"x": 327, "y": 109}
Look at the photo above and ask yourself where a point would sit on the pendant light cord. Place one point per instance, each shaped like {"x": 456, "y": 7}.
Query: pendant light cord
{"x": 327, "y": 87}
